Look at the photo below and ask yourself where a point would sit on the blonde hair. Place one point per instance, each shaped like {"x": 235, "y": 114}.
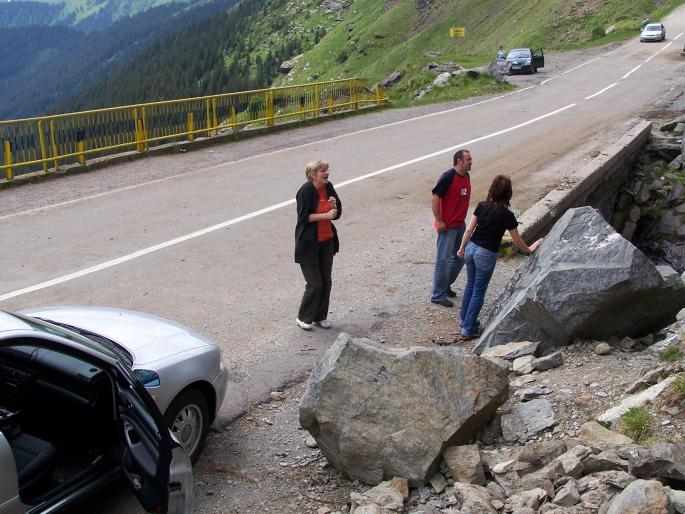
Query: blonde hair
{"x": 314, "y": 166}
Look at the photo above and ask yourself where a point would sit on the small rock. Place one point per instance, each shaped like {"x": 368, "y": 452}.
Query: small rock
{"x": 523, "y": 365}
{"x": 662, "y": 460}
{"x": 532, "y": 392}
{"x": 603, "y": 349}
{"x": 640, "y": 497}
{"x": 595, "y": 435}
{"x": 438, "y": 482}
{"x": 548, "y": 362}
{"x": 277, "y": 396}
{"x": 464, "y": 463}
{"x": 584, "y": 399}
{"x": 424, "y": 493}
{"x": 310, "y": 442}
{"x": 568, "y": 495}
{"x": 512, "y": 351}
{"x": 497, "y": 504}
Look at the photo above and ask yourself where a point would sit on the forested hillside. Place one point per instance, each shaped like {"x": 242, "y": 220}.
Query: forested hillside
{"x": 221, "y": 54}
{"x": 86, "y": 15}
{"x": 43, "y": 66}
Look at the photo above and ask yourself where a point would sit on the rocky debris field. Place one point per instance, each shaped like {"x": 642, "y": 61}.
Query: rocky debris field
{"x": 265, "y": 462}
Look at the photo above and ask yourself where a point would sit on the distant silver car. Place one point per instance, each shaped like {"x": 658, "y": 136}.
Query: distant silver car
{"x": 82, "y": 392}
{"x": 653, "y": 32}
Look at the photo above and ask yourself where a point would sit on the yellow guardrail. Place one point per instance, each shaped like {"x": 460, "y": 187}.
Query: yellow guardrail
{"x": 47, "y": 142}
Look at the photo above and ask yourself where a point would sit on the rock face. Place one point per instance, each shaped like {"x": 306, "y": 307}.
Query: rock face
{"x": 380, "y": 413}
{"x": 585, "y": 281}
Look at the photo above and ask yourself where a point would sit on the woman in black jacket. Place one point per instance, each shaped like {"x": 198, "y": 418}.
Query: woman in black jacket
{"x": 316, "y": 241}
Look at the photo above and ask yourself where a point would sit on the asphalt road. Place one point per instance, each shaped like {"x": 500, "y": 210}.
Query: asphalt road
{"x": 206, "y": 237}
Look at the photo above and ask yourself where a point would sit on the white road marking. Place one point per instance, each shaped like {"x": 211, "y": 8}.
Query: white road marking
{"x": 145, "y": 251}
{"x": 259, "y": 156}
{"x": 677, "y": 37}
{"x": 581, "y": 65}
{"x": 602, "y": 91}
{"x": 658, "y": 52}
{"x": 548, "y": 80}
{"x": 631, "y": 71}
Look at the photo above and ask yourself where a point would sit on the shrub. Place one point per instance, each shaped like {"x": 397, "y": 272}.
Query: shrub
{"x": 637, "y": 424}
{"x": 672, "y": 354}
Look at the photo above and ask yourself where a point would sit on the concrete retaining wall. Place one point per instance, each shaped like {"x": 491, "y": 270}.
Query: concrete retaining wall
{"x": 596, "y": 184}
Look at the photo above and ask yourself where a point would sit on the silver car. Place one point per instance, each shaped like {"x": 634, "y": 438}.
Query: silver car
{"x": 653, "y": 32}
{"x": 77, "y": 408}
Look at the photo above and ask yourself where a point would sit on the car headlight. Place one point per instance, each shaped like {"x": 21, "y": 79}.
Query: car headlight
{"x": 147, "y": 377}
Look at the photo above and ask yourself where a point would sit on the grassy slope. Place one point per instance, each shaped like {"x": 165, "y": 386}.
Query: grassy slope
{"x": 386, "y": 40}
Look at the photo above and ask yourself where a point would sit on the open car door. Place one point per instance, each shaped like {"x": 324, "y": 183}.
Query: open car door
{"x": 539, "y": 58}
{"x": 156, "y": 466}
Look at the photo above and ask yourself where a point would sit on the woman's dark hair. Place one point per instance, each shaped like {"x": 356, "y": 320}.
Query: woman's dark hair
{"x": 500, "y": 192}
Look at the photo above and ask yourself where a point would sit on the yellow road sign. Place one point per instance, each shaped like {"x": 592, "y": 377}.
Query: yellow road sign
{"x": 457, "y": 32}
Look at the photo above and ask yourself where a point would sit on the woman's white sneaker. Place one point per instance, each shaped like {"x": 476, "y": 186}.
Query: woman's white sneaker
{"x": 303, "y": 325}
{"x": 324, "y": 323}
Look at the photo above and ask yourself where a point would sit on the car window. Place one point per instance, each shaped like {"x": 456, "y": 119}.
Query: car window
{"x": 653, "y": 27}
{"x": 519, "y": 53}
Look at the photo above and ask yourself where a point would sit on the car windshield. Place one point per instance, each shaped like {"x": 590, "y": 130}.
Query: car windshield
{"x": 121, "y": 353}
{"x": 98, "y": 343}
{"x": 519, "y": 53}
{"x": 653, "y": 27}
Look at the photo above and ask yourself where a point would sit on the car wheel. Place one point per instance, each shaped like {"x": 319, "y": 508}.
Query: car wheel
{"x": 187, "y": 417}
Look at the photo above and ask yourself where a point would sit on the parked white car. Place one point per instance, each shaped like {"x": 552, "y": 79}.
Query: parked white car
{"x": 82, "y": 397}
{"x": 653, "y": 32}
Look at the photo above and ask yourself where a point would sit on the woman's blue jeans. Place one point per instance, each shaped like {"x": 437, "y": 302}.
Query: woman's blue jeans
{"x": 480, "y": 263}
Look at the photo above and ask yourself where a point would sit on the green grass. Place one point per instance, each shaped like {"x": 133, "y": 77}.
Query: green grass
{"x": 374, "y": 39}
{"x": 672, "y": 354}
{"x": 678, "y": 385}
{"x": 637, "y": 424}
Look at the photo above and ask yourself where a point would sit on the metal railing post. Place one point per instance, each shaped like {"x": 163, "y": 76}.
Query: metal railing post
{"x": 190, "y": 126}
{"x": 53, "y": 144}
{"x": 143, "y": 128}
{"x": 43, "y": 151}
{"x": 209, "y": 117}
{"x": 269, "y": 108}
{"x": 317, "y": 92}
{"x": 330, "y": 105}
{"x": 81, "y": 146}
{"x": 234, "y": 120}
{"x": 9, "y": 172}
{"x": 353, "y": 95}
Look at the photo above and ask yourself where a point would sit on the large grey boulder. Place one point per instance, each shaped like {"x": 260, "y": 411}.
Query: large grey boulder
{"x": 584, "y": 281}
{"x": 378, "y": 413}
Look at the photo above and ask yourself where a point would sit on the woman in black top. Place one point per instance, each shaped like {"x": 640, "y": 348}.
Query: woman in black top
{"x": 479, "y": 248}
{"x": 316, "y": 241}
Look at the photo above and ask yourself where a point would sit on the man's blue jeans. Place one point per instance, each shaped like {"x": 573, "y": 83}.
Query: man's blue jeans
{"x": 480, "y": 263}
{"x": 447, "y": 264}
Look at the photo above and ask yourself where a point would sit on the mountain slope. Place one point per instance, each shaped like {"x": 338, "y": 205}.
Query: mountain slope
{"x": 50, "y": 64}
{"x": 87, "y": 15}
{"x": 242, "y": 48}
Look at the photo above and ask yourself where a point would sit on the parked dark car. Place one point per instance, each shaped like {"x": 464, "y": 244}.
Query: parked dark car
{"x": 525, "y": 60}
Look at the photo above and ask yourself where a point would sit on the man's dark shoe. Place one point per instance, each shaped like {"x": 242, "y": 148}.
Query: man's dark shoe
{"x": 444, "y": 302}
{"x": 450, "y": 293}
